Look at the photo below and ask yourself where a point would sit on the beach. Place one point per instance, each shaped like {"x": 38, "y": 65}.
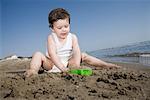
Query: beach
{"x": 131, "y": 82}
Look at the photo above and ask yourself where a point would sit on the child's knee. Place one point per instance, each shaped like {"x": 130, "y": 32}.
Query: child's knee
{"x": 37, "y": 53}
{"x": 73, "y": 64}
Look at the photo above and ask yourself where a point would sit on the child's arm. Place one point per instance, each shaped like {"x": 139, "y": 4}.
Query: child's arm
{"x": 52, "y": 53}
{"x": 76, "y": 51}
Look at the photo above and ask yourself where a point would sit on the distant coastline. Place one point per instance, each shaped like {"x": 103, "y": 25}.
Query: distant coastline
{"x": 134, "y": 49}
{"x": 134, "y": 54}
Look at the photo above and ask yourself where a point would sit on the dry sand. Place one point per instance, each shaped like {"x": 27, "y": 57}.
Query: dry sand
{"x": 132, "y": 82}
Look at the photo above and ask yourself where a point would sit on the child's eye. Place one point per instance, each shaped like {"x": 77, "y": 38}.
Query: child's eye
{"x": 59, "y": 27}
{"x": 66, "y": 26}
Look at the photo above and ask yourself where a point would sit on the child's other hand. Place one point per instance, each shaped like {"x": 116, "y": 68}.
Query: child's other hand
{"x": 75, "y": 67}
{"x": 80, "y": 67}
{"x": 65, "y": 69}
{"x": 84, "y": 67}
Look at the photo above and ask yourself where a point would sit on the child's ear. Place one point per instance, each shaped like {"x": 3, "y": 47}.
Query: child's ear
{"x": 52, "y": 29}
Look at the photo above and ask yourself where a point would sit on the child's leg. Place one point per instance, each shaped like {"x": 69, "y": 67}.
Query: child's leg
{"x": 73, "y": 62}
{"x": 38, "y": 59}
{"x": 96, "y": 62}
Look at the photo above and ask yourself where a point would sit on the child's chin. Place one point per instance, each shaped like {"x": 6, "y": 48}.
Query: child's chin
{"x": 63, "y": 37}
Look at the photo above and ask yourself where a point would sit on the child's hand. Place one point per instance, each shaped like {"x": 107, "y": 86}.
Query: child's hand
{"x": 65, "y": 69}
{"x": 74, "y": 67}
{"x": 65, "y": 72}
{"x": 84, "y": 66}
{"x": 80, "y": 67}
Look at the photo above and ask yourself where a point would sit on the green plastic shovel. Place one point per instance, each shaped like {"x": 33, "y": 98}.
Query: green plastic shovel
{"x": 84, "y": 72}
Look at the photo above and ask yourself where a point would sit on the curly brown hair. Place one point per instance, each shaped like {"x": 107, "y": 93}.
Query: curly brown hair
{"x": 56, "y": 14}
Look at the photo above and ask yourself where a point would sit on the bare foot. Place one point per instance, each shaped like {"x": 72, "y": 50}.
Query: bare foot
{"x": 110, "y": 65}
{"x": 30, "y": 72}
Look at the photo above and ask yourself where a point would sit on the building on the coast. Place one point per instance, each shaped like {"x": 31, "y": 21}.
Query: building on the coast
{"x": 144, "y": 59}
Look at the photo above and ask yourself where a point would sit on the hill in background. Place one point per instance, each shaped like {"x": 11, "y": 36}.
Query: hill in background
{"x": 134, "y": 49}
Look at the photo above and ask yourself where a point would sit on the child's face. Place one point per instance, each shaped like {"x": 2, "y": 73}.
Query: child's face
{"x": 61, "y": 28}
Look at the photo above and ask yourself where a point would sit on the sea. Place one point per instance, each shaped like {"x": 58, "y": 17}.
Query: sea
{"x": 109, "y": 54}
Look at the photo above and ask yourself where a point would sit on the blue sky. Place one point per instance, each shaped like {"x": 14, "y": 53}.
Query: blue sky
{"x": 98, "y": 24}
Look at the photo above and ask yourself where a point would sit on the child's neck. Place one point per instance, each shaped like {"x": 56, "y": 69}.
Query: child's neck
{"x": 62, "y": 41}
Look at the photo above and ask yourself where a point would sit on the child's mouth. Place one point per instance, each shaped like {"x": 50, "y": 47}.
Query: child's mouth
{"x": 63, "y": 34}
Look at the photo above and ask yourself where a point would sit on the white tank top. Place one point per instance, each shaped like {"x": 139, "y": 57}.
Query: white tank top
{"x": 64, "y": 51}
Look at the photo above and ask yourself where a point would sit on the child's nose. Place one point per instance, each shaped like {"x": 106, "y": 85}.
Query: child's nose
{"x": 64, "y": 29}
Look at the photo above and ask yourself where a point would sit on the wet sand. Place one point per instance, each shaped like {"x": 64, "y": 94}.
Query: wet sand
{"x": 132, "y": 82}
